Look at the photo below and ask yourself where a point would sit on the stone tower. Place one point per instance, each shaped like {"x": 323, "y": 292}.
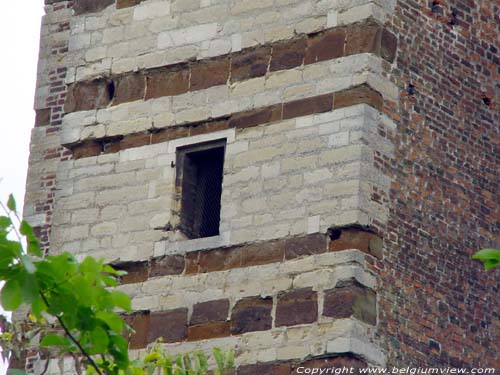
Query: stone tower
{"x": 301, "y": 180}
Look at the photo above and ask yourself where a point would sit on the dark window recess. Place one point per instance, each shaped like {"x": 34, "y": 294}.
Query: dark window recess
{"x": 199, "y": 177}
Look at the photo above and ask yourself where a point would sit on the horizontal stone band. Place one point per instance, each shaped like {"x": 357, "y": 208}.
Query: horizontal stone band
{"x": 302, "y": 107}
{"x": 214, "y": 319}
{"x": 177, "y": 79}
{"x": 248, "y": 255}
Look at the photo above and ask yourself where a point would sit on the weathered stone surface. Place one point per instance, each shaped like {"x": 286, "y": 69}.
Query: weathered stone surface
{"x": 297, "y": 307}
{"x": 363, "y": 38}
{"x": 250, "y": 63}
{"x": 167, "y": 82}
{"x": 171, "y": 326}
{"x": 325, "y": 46}
{"x": 307, "y": 245}
{"x": 208, "y": 331}
{"x": 210, "y": 73}
{"x": 288, "y": 54}
{"x": 357, "y": 95}
{"x": 139, "y": 322}
{"x": 307, "y": 106}
{"x": 90, "y": 6}
{"x": 167, "y": 265}
{"x": 388, "y": 45}
{"x": 351, "y": 299}
{"x": 212, "y": 311}
{"x": 87, "y": 95}
{"x": 129, "y": 88}
{"x": 251, "y": 314}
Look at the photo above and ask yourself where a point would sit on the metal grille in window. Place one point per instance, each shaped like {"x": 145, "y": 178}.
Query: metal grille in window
{"x": 199, "y": 175}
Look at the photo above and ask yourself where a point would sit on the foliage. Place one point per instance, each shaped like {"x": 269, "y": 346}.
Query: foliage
{"x": 489, "y": 257}
{"x": 74, "y": 309}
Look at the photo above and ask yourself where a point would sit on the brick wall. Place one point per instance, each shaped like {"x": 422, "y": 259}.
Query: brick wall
{"x": 438, "y": 307}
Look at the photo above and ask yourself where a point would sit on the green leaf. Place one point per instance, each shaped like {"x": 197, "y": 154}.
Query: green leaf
{"x": 33, "y": 244}
{"x": 109, "y": 269}
{"x": 486, "y": 254}
{"x": 38, "y": 306}
{"x": 54, "y": 340}
{"x": 219, "y": 358}
{"x": 99, "y": 339}
{"x": 121, "y": 300}
{"x": 11, "y": 203}
{"x": 113, "y": 320}
{"x": 11, "y": 295}
{"x": 29, "y": 287}
{"x": 229, "y": 362}
{"x": 5, "y": 222}
{"x": 491, "y": 263}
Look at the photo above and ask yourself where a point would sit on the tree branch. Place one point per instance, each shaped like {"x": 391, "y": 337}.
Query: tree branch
{"x": 72, "y": 338}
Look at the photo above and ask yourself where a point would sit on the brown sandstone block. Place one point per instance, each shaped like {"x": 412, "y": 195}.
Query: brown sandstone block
{"x": 90, "y": 6}
{"x": 137, "y": 272}
{"x": 209, "y": 73}
{"x": 388, "y": 45}
{"x": 219, "y": 259}
{"x": 355, "y": 238}
{"x": 307, "y": 245}
{"x": 350, "y": 298}
{"x": 297, "y": 307}
{"x": 265, "y": 253}
{"x": 169, "y": 325}
{"x": 167, "y": 82}
{"x": 256, "y": 117}
{"x": 42, "y": 117}
{"x": 251, "y": 314}
{"x": 86, "y": 150}
{"x": 129, "y": 88}
{"x": 135, "y": 140}
{"x": 363, "y": 38}
{"x": 209, "y": 126}
{"x": 167, "y": 265}
{"x": 139, "y": 322}
{"x": 308, "y": 106}
{"x": 168, "y": 134}
{"x": 120, "y": 4}
{"x": 288, "y": 55}
{"x": 87, "y": 95}
{"x": 250, "y": 63}
{"x": 357, "y": 95}
{"x": 212, "y": 311}
{"x": 192, "y": 263}
{"x": 209, "y": 331}
{"x": 325, "y": 46}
